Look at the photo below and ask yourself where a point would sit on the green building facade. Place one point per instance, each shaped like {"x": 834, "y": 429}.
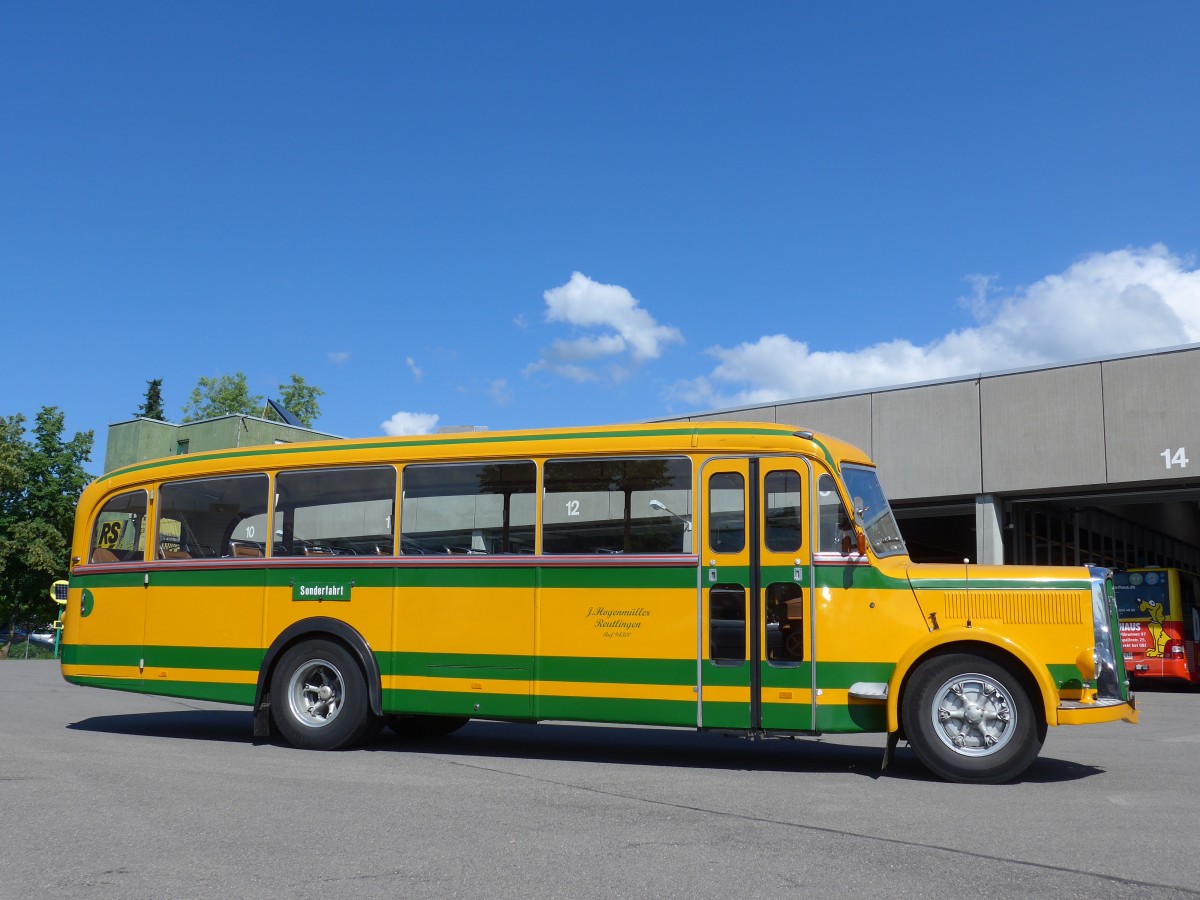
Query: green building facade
{"x": 141, "y": 439}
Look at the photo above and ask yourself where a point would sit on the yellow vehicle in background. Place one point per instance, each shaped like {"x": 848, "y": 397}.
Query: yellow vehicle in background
{"x": 739, "y": 577}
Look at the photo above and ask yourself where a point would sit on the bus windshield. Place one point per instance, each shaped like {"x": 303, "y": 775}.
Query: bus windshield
{"x": 872, "y": 512}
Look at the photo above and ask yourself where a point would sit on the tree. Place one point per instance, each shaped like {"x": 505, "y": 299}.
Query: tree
{"x": 40, "y": 484}
{"x": 222, "y": 396}
{"x": 300, "y": 399}
{"x": 152, "y": 406}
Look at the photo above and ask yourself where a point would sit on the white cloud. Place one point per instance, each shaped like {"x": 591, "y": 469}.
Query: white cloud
{"x": 626, "y": 329}
{"x": 1106, "y": 303}
{"x": 338, "y": 357}
{"x": 410, "y": 423}
{"x": 412, "y": 367}
{"x": 500, "y": 392}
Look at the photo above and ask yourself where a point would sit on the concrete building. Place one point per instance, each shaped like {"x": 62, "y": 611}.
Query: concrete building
{"x": 141, "y": 439}
{"x": 1095, "y": 461}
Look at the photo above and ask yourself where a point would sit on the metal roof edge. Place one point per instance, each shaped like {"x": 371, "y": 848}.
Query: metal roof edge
{"x": 954, "y": 379}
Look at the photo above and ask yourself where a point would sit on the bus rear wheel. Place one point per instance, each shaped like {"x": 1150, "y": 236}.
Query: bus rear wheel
{"x": 319, "y": 697}
{"x": 970, "y": 720}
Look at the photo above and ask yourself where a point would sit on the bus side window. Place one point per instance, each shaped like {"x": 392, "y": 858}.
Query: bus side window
{"x": 727, "y": 624}
{"x": 118, "y": 534}
{"x": 209, "y": 517}
{"x": 835, "y": 529}
{"x": 468, "y": 508}
{"x": 781, "y": 511}
{"x": 335, "y": 512}
{"x": 637, "y": 505}
{"x": 726, "y": 512}
{"x": 785, "y": 623}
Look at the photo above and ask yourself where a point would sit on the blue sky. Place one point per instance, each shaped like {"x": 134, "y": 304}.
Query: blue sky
{"x": 541, "y": 214}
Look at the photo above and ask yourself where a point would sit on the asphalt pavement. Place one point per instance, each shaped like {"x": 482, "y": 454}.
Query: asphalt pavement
{"x": 114, "y": 795}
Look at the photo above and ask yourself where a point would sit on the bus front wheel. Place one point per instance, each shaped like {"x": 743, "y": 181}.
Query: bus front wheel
{"x": 319, "y": 697}
{"x": 969, "y": 719}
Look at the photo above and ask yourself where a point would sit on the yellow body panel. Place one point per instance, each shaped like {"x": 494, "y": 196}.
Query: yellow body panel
{"x": 631, "y": 624}
{"x": 498, "y": 620}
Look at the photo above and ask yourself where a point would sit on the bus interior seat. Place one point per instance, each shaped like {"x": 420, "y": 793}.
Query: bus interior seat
{"x": 245, "y": 550}
{"x": 103, "y": 555}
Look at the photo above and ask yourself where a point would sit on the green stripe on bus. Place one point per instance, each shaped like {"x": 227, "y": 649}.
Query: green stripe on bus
{"x": 842, "y": 675}
{"x": 215, "y": 691}
{"x": 135, "y": 578}
{"x": 228, "y": 659}
{"x": 581, "y": 577}
{"x": 233, "y": 576}
{"x": 617, "y": 710}
{"x": 828, "y": 456}
{"x": 101, "y": 654}
{"x": 846, "y": 577}
{"x": 725, "y": 674}
{"x": 852, "y": 717}
{"x": 241, "y": 694}
{"x": 1066, "y": 676}
{"x": 719, "y": 714}
{"x": 473, "y": 704}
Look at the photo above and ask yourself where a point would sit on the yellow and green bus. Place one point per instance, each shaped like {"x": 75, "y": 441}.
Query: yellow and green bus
{"x": 740, "y": 577}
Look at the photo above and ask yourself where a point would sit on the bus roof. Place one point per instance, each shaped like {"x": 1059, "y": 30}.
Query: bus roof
{"x": 666, "y": 437}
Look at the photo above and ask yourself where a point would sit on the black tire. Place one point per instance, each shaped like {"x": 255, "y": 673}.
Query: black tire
{"x": 319, "y": 697}
{"x": 425, "y": 726}
{"x": 970, "y": 720}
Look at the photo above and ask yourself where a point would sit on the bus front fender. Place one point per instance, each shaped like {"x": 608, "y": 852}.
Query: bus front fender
{"x": 970, "y": 640}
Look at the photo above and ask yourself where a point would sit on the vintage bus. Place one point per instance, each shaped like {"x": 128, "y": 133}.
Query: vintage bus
{"x": 740, "y": 577}
{"x": 1160, "y": 623}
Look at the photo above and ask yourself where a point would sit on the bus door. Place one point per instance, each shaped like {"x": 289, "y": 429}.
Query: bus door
{"x": 755, "y": 657}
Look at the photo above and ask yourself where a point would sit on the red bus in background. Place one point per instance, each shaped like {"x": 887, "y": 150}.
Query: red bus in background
{"x": 1160, "y": 623}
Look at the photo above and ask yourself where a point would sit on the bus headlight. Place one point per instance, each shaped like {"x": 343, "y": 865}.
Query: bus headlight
{"x": 1087, "y": 663}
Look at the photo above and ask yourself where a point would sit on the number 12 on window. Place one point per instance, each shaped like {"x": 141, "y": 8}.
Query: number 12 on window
{"x": 1175, "y": 458}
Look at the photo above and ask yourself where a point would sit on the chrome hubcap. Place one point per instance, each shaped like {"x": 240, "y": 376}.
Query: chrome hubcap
{"x": 973, "y": 715}
{"x": 315, "y": 693}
